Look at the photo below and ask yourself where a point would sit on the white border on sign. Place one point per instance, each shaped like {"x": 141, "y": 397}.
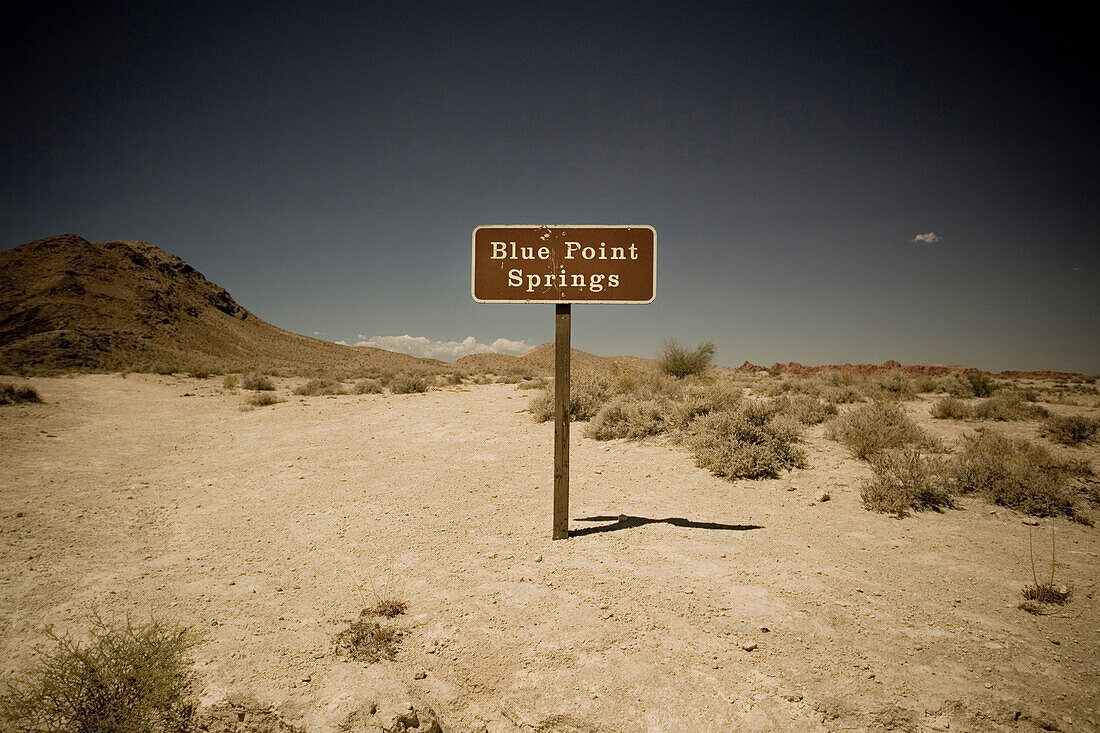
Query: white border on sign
{"x": 473, "y": 259}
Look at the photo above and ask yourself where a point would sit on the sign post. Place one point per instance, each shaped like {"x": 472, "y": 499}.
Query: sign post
{"x": 563, "y": 265}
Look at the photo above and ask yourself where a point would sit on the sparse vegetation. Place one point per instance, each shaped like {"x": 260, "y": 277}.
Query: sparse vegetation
{"x": 368, "y": 386}
{"x": 1013, "y": 473}
{"x": 1071, "y": 429}
{"x": 679, "y": 362}
{"x": 628, "y": 417}
{"x": 127, "y": 678}
{"x": 588, "y": 391}
{"x": 263, "y": 399}
{"x": 806, "y": 408}
{"x": 408, "y": 384}
{"x": 894, "y": 385}
{"x": 367, "y": 640}
{"x": 752, "y": 441}
{"x": 904, "y": 480}
{"x": 876, "y": 427}
{"x": 1041, "y": 595}
{"x": 11, "y": 394}
{"x": 231, "y": 381}
{"x": 703, "y": 400}
{"x": 321, "y": 387}
{"x": 1004, "y": 407}
{"x": 256, "y": 381}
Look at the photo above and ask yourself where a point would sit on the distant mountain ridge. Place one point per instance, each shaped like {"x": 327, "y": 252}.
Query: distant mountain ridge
{"x": 67, "y": 303}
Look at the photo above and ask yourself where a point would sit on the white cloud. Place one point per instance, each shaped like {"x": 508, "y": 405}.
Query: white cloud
{"x": 929, "y": 238}
{"x": 443, "y": 350}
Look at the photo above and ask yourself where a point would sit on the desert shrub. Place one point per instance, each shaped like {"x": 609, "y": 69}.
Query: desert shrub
{"x": 628, "y": 417}
{"x": 981, "y": 385}
{"x": 533, "y": 383}
{"x": 836, "y": 378}
{"x": 904, "y": 480}
{"x": 950, "y": 408}
{"x": 1071, "y": 429}
{"x": 201, "y": 372}
{"x": 645, "y": 385}
{"x": 321, "y": 387}
{"x": 893, "y": 385}
{"x": 11, "y": 394}
{"x": 263, "y": 399}
{"x": 925, "y": 383}
{"x": 367, "y": 640}
{"x": 231, "y": 381}
{"x": 1013, "y": 473}
{"x": 1006, "y": 406}
{"x": 588, "y": 391}
{"x": 871, "y": 428}
{"x": 703, "y": 400}
{"x": 446, "y": 380}
{"x": 805, "y": 408}
{"x": 955, "y": 384}
{"x": 751, "y": 441}
{"x": 127, "y": 678}
{"x": 841, "y": 395}
{"x": 368, "y": 386}
{"x": 387, "y": 606}
{"x": 408, "y": 384}
{"x": 256, "y": 381}
{"x": 679, "y": 362}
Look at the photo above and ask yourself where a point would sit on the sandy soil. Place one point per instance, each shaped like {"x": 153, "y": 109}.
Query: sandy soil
{"x": 682, "y": 602}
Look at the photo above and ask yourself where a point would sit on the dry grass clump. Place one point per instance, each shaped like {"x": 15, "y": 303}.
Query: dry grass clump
{"x": 904, "y": 480}
{"x": 231, "y": 381}
{"x": 679, "y": 362}
{"x": 367, "y": 640}
{"x": 750, "y": 441}
{"x": 368, "y": 386}
{"x": 950, "y": 408}
{"x": 1071, "y": 429}
{"x": 126, "y": 678}
{"x": 321, "y": 387}
{"x": 12, "y": 394}
{"x": 256, "y": 381}
{"x": 1014, "y": 473}
{"x": 263, "y": 399}
{"x": 1041, "y": 595}
{"x": 629, "y": 417}
{"x": 533, "y": 383}
{"x": 876, "y": 427}
{"x": 972, "y": 384}
{"x": 408, "y": 384}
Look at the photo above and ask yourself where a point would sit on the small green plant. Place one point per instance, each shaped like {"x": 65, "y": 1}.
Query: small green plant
{"x": 1040, "y": 595}
{"x": 872, "y": 428}
{"x": 751, "y": 441}
{"x": 1071, "y": 429}
{"x": 321, "y": 387}
{"x": 904, "y": 480}
{"x": 1013, "y": 473}
{"x": 628, "y": 417}
{"x": 127, "y": 678}
{"x": 256, "y": 381}
{"x": 367, "y": 640}
{"x": 11, "y": 394}
{"x": 679, "y": 362}
{"x": 408, "y": 384}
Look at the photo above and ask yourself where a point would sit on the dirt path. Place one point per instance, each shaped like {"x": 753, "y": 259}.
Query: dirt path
{"x": 682, "y": 603}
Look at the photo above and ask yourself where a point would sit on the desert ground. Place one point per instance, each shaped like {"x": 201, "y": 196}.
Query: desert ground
{"x": 682, "y": 602}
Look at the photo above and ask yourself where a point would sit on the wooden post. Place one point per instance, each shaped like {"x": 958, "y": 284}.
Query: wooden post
{"x": 561, "y": 421}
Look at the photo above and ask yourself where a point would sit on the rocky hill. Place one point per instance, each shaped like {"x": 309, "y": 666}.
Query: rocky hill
{"x": 67, "y": 303}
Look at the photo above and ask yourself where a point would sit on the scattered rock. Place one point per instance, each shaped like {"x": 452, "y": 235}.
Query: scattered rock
{"x": 822, "y": 496}
{"x": 748, "y": 646}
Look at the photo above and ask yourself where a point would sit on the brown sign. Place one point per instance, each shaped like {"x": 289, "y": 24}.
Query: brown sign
{"x": 564, "y": 264}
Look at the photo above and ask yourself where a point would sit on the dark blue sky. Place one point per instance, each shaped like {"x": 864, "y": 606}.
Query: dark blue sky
{"x": 327, "y": 164}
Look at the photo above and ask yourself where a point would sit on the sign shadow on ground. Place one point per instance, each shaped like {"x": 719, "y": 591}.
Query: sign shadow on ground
{"x": 624, "y": 521}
